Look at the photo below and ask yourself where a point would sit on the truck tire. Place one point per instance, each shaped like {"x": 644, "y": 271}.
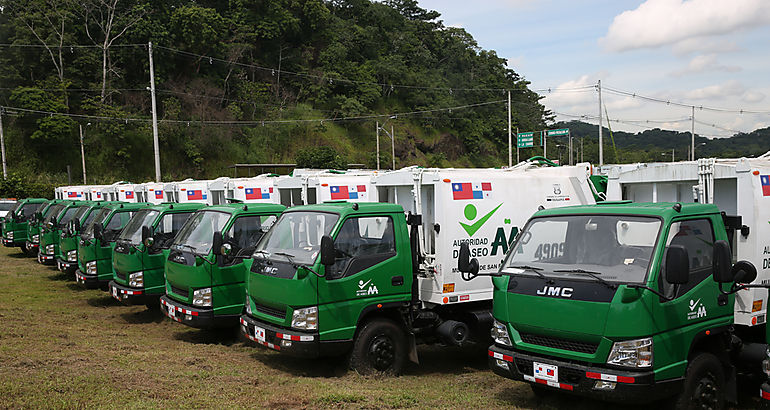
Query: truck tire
{"x": 27, "y": 250}
{"x": 704, "y": 384}
{"x": 380, "y": 348}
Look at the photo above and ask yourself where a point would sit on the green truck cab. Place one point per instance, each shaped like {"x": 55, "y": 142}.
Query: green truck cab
{"x": 67, "y": 256}
{"x": 338, "y": 278}
{"x": 34, "y": 224}
{"x": 623, "y": 302}
{"x": 16, "y": 221}
{"x": 98, "y": 240}
{"x": 51, "y": 228}
{"x": 208, "y": 262}
{"x": 141, "y": 251}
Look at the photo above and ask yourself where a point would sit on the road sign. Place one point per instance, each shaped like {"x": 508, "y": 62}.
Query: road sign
{"x": 525, "y": 139}
{"x": 559, "y": 132}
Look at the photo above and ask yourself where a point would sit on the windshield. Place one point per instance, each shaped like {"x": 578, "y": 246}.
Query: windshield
{"x": 197, "y": 234}
{"x": 297, "y": 234}
{"x": 98, "y": 216}
{"x": 67, "y": 216}
{"x": 132, "y": 233}
{"x": 80, "y": 212}
{"x": 616, "y": 247}
{"x": 9, "y": 206}
{"x": 90, "y": 217}
{"x": 27, "y": 210}
{"x": 53, "y": 213}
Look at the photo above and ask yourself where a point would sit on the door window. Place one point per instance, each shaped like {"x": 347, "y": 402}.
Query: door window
{"x": 697, "y": 236}
{"x": 246, "y": 231}
{"x": 362, "y": 243}
{"x": 168, "y": 227}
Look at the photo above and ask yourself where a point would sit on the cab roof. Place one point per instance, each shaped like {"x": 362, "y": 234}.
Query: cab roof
{"x": 166, "y": 206}
{"x": 661, "y": 209}
{"x": 344, "y": 207}
{"x": 131, "y": 206}
{"x": 240, "y": 208}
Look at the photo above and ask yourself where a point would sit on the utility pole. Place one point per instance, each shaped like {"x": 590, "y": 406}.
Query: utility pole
{"x": 393, "y": 146}
{"x": 510, "y": 148}
{"x": 545, "y": 143}
{"x": 83, "y": 153}
{"x": 2, "y": 144}
{"x": 517, "y": 146}
{"x": 601, "y": 147}
{"x": 154, "y": 116}
{"x": 569, "y": 137}
{"x": 378, "y": 145}
{"x": 692, "y": 134}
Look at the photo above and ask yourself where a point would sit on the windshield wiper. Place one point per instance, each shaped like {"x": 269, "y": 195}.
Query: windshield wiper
{"x": 533, "y": 269}
{"x": 290, "y": 258}
{"x": 589, "y": 273}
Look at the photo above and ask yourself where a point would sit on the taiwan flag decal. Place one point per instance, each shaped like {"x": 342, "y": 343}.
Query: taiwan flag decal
{"x": 99, "y": 195}
{"x": 193, "y": 194}
{"x": 765, "y": 181}
{"x": 467, "y": 190}
{"x": 344, "y": 192}
{"x": 72, "y": 194}
{"x": 158, "y": 194}
{"x": 129, "y": 194}
{"x": 258, "y": 193}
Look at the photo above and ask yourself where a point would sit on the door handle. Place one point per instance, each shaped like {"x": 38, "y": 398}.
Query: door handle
{"x": 397, "y": 280}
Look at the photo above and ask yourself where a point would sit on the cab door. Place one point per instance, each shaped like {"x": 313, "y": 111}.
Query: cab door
{"x": 367, "y": 271}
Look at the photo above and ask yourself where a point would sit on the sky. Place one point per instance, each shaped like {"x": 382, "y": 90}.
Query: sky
{"x": 702, "y": 53}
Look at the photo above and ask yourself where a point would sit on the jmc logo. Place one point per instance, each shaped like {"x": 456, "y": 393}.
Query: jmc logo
{"x": 555, "y": 291}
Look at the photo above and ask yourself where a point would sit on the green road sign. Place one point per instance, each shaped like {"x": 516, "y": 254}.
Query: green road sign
{"x": 525, "y": 139}
{"x": 559, "y": 132}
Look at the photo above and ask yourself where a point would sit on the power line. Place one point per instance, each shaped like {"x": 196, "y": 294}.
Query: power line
{"x": 682, "y": 104}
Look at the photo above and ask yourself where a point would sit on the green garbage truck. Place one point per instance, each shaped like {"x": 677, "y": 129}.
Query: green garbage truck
{"x": 16, "y": 221}
{"x": 51, "y": 228}
{"x": 67, "y": 256}
{"x": 98, "y": 240}
{"x": 33, "y": 226}
{"x": 208, "y": 260}
{"x": 141, "y": 251}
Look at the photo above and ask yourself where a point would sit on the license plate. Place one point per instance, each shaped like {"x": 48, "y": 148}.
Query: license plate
{"x": 544, "y": 371}
{"x": 259, "y": 333}
{"x": 115, "y": 293}
{"x": 171, "y": 312}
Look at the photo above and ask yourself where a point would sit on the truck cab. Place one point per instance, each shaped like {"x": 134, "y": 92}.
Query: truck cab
{"x": 98, "y": 240}
{"x": 141, "y": 251}
{"x": 67, "y": 256}
{"x": 51, "y": 228}
{"x": 33, "y": 226}
{"x": 623, "y": 302}
{"x": 16, "y": 221}
{"x": 334, "y": 278}
{"x": 208, "y": 260}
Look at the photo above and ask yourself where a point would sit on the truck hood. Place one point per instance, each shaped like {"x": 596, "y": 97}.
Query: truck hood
{"x": 273, "y": 288}
{"x": 126, "y": 258}
{"x": 186, "y": 272}
{"x": 568, "y": 315}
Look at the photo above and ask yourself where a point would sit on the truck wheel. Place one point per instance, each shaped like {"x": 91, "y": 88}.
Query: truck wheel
{"x": 380, "y": 347}
{"x": 704, "y": 384}
{"x": 27, "y": 250}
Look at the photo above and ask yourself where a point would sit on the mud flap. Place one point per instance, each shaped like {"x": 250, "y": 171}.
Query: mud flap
{"x": 413, "y": 349}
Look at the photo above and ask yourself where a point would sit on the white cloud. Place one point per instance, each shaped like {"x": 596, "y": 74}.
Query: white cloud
{"x": 730, "y": 88}
{"x": 705, "y": 62}
{"x": 657, "y": 23}
{"x": 705, "y": 45}
{"x": 752, "y": 96}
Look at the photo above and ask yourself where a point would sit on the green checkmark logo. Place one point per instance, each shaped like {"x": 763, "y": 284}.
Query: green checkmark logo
{"x": 470, "y": 213}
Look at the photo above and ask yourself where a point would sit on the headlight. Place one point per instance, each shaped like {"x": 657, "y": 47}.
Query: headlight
{"x": 632, "y": 353}
{"x": 9, "y": 235}
{"x": 36, "y": 238}
{"x": 72, "y": 256}
{"x": 202, "y": 297}
{"x": 136, "y": 280}
{"x": 63, "y": 235}
{"x": 305, "y": 318}
{"x": 248, "y": 305}
{"x": 500, "y": 334}
{"x": 49, "y": 249}
{"x": 91, "y": 268}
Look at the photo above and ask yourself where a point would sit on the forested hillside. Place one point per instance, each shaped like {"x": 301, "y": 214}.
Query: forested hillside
{"x": 235, "y": 80}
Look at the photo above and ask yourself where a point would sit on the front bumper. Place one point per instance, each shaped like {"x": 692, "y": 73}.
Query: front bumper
{"x": 46, "y": 259}
{"x": 629, "y": 386}
{"x": 195, "y": 317}
{"x": 89, "y": 281}
{"x": 13, "y": 243}
{"x": 65, "y": 266}
{"x": 292, "y": 342}
{"x": 131, "y": 296}
{"x": 764, "y": 392}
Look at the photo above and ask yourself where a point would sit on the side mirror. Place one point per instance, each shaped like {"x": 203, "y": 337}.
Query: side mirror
{"x": 226, "y": 249}
{"x": 76, "y": 225}
{"x": 145, "y": 234}
{"x": 677, "y": 268}
{"x": 216, "y": 244}
{"x": 327, "y": 251}
{"x": 98, "y": 230}
{"x": 464, "y": 262}
{"x": 722, "y": 264}
{"x": 744, "y": 272}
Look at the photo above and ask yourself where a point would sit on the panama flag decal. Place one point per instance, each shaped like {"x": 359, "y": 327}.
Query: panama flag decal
{"x": 765, "y": 181}
{"x": 344, "y": 192}
{"x": 467, "y": 190}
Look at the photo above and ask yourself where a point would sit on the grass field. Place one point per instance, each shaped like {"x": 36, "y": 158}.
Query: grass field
{"x": 62, "y": 346}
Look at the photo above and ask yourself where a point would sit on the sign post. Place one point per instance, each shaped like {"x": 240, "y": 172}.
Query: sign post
{"x": 559, "y": 133}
